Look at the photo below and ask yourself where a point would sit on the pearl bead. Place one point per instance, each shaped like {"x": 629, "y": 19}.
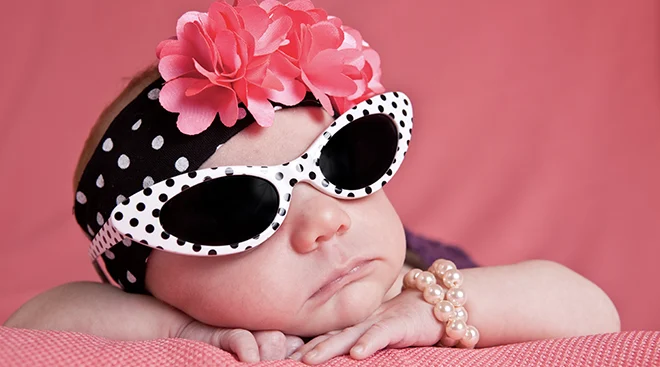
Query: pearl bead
{"x": 424, "y": 279}
{"x": 470, "y": 339}
{"x": 409, "y": 280}
{"x": 444, "y": 311}
{"x": 441, "y": 266}
{"x": 452, "y": 278}
{"x": 461, "y": 313}
{"x": 446, "y": 341}
{"x": 456, "y": 329}
{"x": 434, "y": 294}
{"x": 456, "y": 296}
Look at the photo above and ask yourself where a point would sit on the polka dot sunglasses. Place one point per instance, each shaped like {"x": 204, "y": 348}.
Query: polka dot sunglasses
{"x": 227, "y": 210}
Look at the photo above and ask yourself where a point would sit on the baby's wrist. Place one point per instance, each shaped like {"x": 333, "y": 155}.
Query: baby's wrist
{"x": 441, "y": 287}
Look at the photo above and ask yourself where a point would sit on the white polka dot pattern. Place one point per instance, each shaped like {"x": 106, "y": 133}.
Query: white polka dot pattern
{"x": 130, "y": 277}
{"x": 81, "y": 198}
{"x": 158, "y": 142}
{"x": 100, "y": 182}
{"x": 148, "y": 181}
{"x": 181, "y": 164}
{"x": 123, "y": 162}
{"x": 107, "y": 145}
{"x": 153, "y": 94}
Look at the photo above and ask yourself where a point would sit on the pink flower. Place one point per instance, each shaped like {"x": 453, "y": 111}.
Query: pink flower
{"x": 217, "y": 60}
{"x": 257, "y": 53}
{"x": 314, "y": 49}
{"x": 368, "y": 81}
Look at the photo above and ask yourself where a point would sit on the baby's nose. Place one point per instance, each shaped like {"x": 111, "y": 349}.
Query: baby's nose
{"x": 315, "y": 218}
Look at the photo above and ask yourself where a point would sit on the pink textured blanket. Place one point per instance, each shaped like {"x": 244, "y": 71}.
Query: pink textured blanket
{"x": 20, "y": 347}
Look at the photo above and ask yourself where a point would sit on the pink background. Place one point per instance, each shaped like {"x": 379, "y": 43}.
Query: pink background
{"x": 537, "y": 129}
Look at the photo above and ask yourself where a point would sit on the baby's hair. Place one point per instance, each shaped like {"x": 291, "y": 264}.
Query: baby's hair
{"x": 140, "y": 81}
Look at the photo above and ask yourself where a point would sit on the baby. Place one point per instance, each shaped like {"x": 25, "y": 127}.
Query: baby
{"x": 234, "y": 193}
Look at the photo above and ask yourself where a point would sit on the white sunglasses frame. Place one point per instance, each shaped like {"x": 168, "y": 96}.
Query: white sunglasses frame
{"x": 129, "y": 224}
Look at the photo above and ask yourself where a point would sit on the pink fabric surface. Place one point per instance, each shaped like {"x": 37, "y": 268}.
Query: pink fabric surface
{"x": 62, "y": 349}
{"x": 537, "y": 131}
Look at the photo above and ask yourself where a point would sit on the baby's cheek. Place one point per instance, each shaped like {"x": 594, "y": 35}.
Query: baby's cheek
{"x": 165, "y": 280}
{"x": 213, "y": 294}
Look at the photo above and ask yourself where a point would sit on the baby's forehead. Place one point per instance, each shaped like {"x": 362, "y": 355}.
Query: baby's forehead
{"x": 290, "y": 135}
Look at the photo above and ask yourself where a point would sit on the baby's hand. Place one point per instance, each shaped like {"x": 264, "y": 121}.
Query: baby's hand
{"x": 105, "y": 311}
{"x": 248, "y": 346}
{"x": 404, "y": 321}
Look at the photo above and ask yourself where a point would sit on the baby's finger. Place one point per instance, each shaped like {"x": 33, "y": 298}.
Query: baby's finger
{"x": 297, "y": 355}
{"x": 379, "y": 336}
{"x": 272, "y": 345}
{"x": 335, "y": 345}
{"x": 292, "y": 344}
{"x": 239, "y": 341}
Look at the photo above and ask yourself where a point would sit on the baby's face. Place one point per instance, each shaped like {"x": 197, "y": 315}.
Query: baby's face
{"x": 328, "y": 266}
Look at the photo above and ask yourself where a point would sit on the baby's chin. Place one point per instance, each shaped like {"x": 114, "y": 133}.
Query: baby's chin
{"x": 349, "y": 307}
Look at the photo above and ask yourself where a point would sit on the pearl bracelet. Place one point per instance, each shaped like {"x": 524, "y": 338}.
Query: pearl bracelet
{"x": 447, "y": 303}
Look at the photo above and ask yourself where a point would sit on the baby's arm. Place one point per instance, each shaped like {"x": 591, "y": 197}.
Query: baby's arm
{"x": 535, "y": 300}
{"x": 508, "y": 304}
{"x": 103, "y": 310}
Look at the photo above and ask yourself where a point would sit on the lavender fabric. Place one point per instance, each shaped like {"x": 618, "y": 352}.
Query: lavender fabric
{"x": 429, "y": 250}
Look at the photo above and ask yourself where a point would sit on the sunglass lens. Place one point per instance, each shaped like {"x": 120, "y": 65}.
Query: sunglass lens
{"x": 360, "y": 153}
{"x": 221, "y": 211}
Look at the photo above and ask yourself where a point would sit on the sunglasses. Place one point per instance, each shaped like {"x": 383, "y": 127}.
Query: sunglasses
{"x": 227, "y": 210}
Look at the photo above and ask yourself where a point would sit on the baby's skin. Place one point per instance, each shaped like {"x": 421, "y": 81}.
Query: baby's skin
{"x": 331, "y": 274}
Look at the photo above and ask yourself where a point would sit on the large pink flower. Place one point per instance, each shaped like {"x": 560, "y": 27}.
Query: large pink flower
{"x": 217, "y": 60}
{"x": 257, "y": 53}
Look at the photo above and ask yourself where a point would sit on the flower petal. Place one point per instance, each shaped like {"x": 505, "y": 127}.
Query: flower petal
{"x": 271, "y": 81}
{"x": 325, "y": 35}
{"x": 226, "y": 105}
{"x": 373, "y": 61}
{"x": 255, "y": 20}
{"x": 268, "y": 5}
{"x": 174, "y": 66}
{"x": 352, "y": 39}
{"x": 223, "y": 13}
{"x": 322, "y": 97}
{"x": 230, "y": 61}
{"x": 282, "y": 66}
{"x": 293, "y": 92}
{"x": 241, "y": 88}
{"x": 172, "y": 95}
{"x": 190, "y": 17}
{"x": 163, "y": 44}
{"x": 193, "y": 117}
{"x": 259, "y": 106}
{"x": 303, "y": 5}
{"x": 200, "y": 47}
{"x": 325, "y": 72}
{"x": 274, "y": 36}
{"x": 245, "y": 3}
{"x": 198, "y": 87}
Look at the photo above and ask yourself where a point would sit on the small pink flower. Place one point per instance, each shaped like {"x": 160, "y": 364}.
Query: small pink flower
{"x": 368, "y": 81}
